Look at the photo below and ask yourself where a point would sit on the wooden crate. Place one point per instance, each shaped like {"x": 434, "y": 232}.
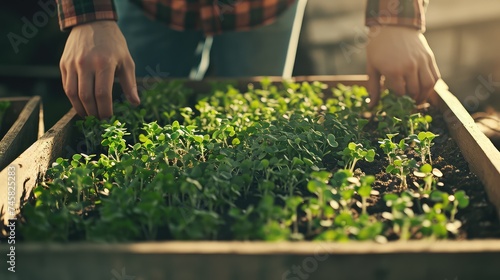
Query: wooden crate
{"x": 259, "y": 260}
{"x": 23, "y": 123}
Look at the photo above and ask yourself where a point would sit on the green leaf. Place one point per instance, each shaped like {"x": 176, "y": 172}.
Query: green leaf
{"x": 297, "y": 161}
{"x": 389, "y": 168}
{"x": 308, "y": 162}
{"x": 198, "y": 139}
{"x": 391, "y": 197}
{"x": 235, "y": 141}
{"x": 264, "y": 163}
{"x": 352, "y": 146}
{"x": 370, "y": 155}
{"x": 331, "y": 141}
{"x": 426, "y": 168}
{"x": 438, "y": 196}
{"x": 315, "y": 186}
{"x": 322, "y": 176}
{"x": 422, "y": 136}
{"x": 462, "y": 198}
{"x": 365, "y": 190}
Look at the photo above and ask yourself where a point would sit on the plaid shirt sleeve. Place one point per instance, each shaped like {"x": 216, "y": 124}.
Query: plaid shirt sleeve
{"x": 75, "y": 12}
{"x": 409, "y": 13}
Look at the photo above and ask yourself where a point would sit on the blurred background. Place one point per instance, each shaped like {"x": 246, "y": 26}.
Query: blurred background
{"x": 464, "y": 35}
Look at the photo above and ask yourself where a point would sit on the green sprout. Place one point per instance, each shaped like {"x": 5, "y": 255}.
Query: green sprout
{"x": 402, "y": 166}
{"x": 364, "y": 190}
{"x": 392, "y": 149}
{"x": 418, "y": 121}
{"x": 451, "y": 203}
{"x": 355, "y": 152}
{"x": 424, "y": 144}
{"x": 402, "y": 216}
{"x": 428, "y": 174}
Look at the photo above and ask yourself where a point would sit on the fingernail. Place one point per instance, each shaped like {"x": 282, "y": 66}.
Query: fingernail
{"x": 137, "y": 99}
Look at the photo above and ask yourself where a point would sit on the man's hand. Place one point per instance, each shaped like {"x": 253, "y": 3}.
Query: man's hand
{"x": 404, "y": 58}
{"x": 94, "y": 53}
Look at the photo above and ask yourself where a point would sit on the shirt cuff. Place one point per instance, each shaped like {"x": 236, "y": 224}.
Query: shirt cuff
{"x": 409, "y": 13}
{"x": 76, "y": 12}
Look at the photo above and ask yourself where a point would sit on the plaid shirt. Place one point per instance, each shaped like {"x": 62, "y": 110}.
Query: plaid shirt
{"x": 216, "y": 16}
{"x": 396, "y": 12}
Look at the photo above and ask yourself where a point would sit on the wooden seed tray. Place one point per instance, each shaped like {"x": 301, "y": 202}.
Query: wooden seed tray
{"x": 441, "y": 260}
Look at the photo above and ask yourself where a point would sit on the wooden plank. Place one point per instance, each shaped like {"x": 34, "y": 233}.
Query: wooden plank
{"x": 192, "y": 260}
{"x": 33, "y": 163}
{"x": 477, "y": 149}
{"x": 27, "y": 126}
{"x": 270, "y": 248}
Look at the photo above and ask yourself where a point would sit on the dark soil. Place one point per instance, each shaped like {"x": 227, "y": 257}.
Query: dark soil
{"x": 479, "y": 219}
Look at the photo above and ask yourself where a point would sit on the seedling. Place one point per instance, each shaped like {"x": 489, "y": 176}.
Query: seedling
{"x": 392, "y": 149}
{"x": 418, "y": 122}
{"x": 423, "y": 145}
{"x": 364, "y": 190}
{"x": 450, "y": 203}
{"x": 261, "y": 164}
{"x": 355, "y": 152}
{"x": 401, "y": 215}
{"x": 428, "y": 174}
{"x": 402, "y": 166}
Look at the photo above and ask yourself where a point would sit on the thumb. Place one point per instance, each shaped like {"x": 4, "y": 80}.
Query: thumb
{"x": 373, "y": 86}
{"x": 126, "y": 76}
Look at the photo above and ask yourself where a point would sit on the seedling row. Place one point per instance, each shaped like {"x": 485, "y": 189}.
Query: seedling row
{"x": 294, "y": 162}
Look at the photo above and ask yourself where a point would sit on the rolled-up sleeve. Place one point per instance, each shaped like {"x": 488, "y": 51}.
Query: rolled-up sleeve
{"x": 409, "y": 13}
{"x": 75, "y": 12}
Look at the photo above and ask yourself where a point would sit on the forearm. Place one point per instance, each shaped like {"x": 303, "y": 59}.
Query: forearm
{"x": 410, "y": 13}
{"x": 76, "y": 12}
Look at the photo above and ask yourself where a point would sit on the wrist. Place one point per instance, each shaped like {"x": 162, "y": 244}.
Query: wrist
{"x": 393, "y": 28}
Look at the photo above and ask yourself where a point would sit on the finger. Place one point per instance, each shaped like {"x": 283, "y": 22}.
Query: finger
{"x": 373, "y": 86}
{"x": 63, "y": 75}
{"x": 396, "y": 84}
{"x": 434, "y": 69}
{"x": 71, "y": 89}
{"x": 86, "y": 92}
{"x": 427, "y": 83}
{"x": 413, "y": 85}
{"x": 103, "y": 92}
{"x": 126, "y": 75}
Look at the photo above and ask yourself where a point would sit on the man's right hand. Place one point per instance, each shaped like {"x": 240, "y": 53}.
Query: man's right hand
{"x": 94, "y": 53}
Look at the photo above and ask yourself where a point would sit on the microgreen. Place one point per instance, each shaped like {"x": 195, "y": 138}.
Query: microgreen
{"x": 355, "y": 152}
{"x": 402, "y": 166}
{"x": 423, "y": 144}
{"x": 260, "y": 164}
